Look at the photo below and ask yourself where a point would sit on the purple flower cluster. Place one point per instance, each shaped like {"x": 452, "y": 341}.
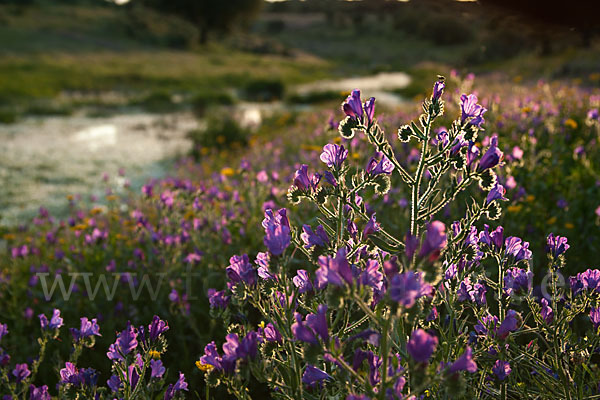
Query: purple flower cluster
{"x": 584, "y": 281}
{"x": 88, "y": 328}
{"x": 233, "y": 350}
{"x": 277, "y": 231}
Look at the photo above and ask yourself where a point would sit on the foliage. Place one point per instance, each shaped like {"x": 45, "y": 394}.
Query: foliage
{"x": 209, "y": 15}
{"x": 194, "y": 222}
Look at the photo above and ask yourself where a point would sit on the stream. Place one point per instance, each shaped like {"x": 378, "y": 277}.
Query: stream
{"x": 45, "y": 159}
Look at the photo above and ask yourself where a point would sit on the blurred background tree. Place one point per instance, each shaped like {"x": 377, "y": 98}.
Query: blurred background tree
{"x": 547, "y": 16}
{"x": 209, "y": 16}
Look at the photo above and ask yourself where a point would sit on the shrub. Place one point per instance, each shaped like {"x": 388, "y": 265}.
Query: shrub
{"x": 264, "y": 90}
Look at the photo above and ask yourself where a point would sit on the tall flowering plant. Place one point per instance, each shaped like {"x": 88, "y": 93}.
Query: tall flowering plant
{"x": 356, "y": 308}
{"x": 137, "y": 371}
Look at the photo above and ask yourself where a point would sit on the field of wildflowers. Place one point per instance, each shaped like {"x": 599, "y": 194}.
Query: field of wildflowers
{"x": 354, "y": 255}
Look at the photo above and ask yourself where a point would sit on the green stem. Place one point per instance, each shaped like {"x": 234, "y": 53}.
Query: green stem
{"x": 416, "y": 187}
{"x": 463, "y": 185}
{"x": 384, "y": 355}
{"x": 340, "y": 221}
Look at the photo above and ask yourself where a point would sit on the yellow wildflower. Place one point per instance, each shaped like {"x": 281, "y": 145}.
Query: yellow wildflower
{"x": 227, "y": 171}
{"x": 96, "y": 211}
{"x": 311, "y": 147}
{"x": 203, "y": 367}
{"x": 154, "y": 354}
{"x": 515, "y": 208}
{"x": 551, "y": 221}
{"x": 569, "y": 225}
{"x": 530, "y": 198}
{"x": 571, "y": 123}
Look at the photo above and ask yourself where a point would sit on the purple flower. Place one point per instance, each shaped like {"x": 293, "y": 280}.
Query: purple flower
{"x": 493, "y": 239}
{"x": 370, "y": 336}
{"x": 591, "y": 279}
{"x": 302, "y": 332}
{"x": 411, "y": 245}
{"x": 313, "y": 375}
{"x": 180, "y": 385}
{"x": 157, "y": 327}
{"x": 421, "y": 345}
{"x": 330, "y": 178}
{"x": 88, "y": 328}
{"x": 39, "y": 393}
{"x": 4, "y": 358}
{"x": 230, "y": 352}
{"x": 464, "y": 363}
{"x": 333, "y": 155}
{"x": 486, "y": 325}
{"x": 352, "y": 106}
{"x": 69, "y": 374}
{"x": 305, "y": 182}
{"x": 302, "y": 281}
{"x": 317, "y": 238}
{"x": 435, "y": 239}
{"x": 517, "y": 248}
{"x": 407, "y": 287}
{"x": 335, "y": 271}
{"x": 474, "y": 293}
{"x": 3, "y": 330}
{"x": 271, "y": 334}
{"x": 264, "y": 273}
{"x": 277, "y": 231}
{"x": 263, "y": 259}
{"x": 211, "y": 356}
{"x": 371, "y": 276}
{"x": 114, "y": 383}
{"x": 557, "y": 245}
{"x": 126, "y": 342}
{"x": 470, "y": 109}
{"x": 21, "y": 372}
{"x": 517, "y": 280}
{"x": 133, "y": 377}
{"x": 438, "y": 90}
{"x": 384, "y": 166}
{"x": 497, "y": 193}
{"x": 248, "y": 345}
{"x": 55, "y": 322}
{"x": 318, "y": 322}
{"x": 357, "y": 397}
{"x": 510, "y": 324}
{"x": 370, "y": 109}
{"x": 374, "y": 363}
{"x": 492, "y": 156}
{"x": 501, "y": 369}
{"x": 371, "y": 227}
{"x": 595, "y": 317}
{"x": 217, "y": 299}
{"x": 472, "y": 153}
{"x": 240, "y": 270}
{"x": 442, "y": 138}
{"x": 88, "y": 377}
{"x": 546, "y": 312}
